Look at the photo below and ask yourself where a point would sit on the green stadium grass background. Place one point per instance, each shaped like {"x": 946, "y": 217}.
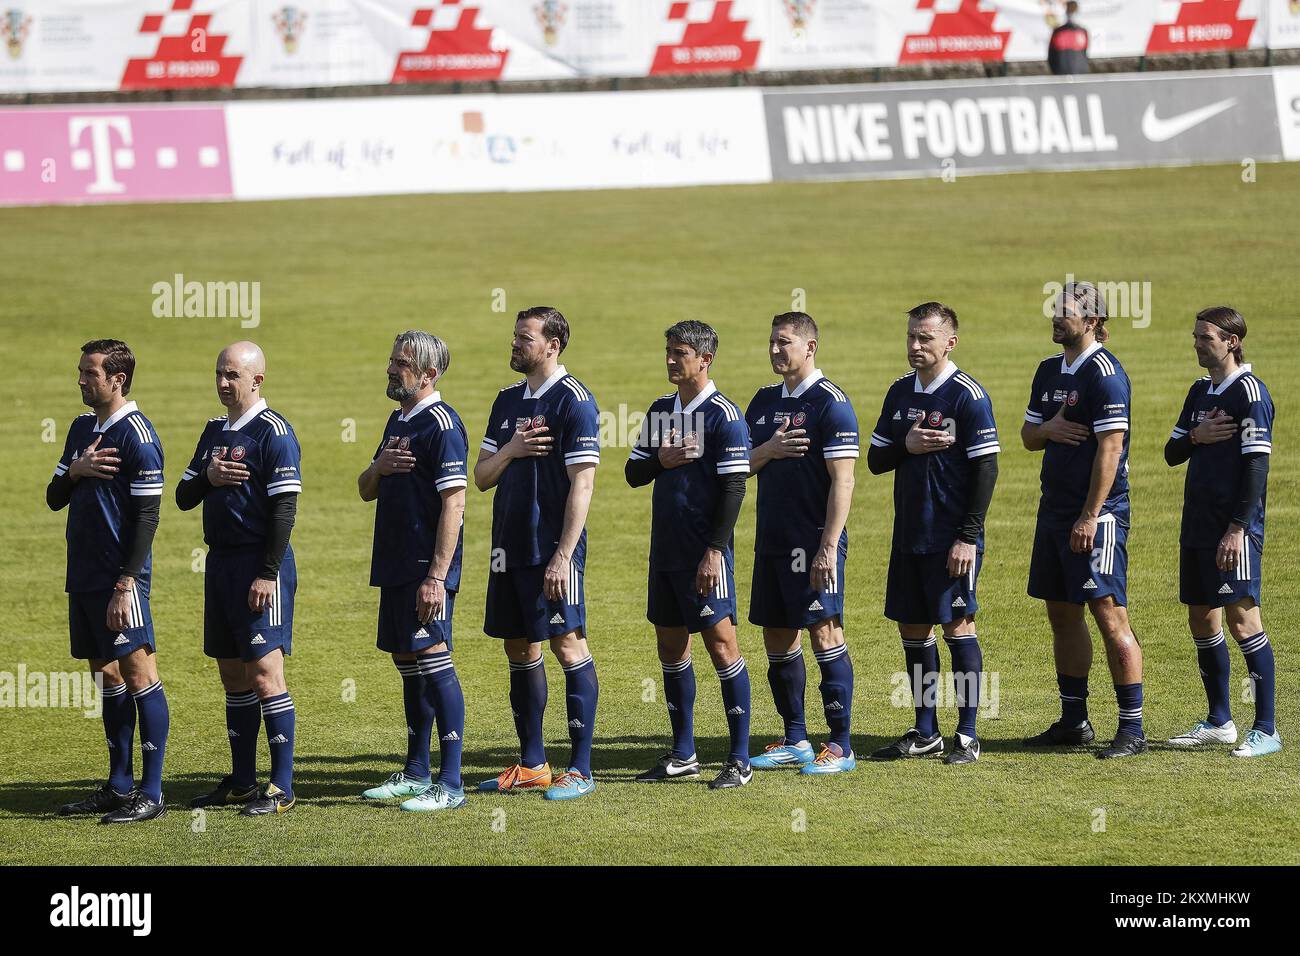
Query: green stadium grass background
{"x": 340, "y": 278}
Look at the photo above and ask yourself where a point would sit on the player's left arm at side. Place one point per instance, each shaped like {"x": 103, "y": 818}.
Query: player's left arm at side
{"x": 142, "y": 462}
{"x": 581, "y": 449}
{"x": 450, "y": 449}
{"x": 1256, "y": 437}
{"x": 283, "y": 474}
{"x": 839, "y": 440}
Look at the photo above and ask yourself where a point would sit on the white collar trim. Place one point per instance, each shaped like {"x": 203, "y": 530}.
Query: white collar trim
{"x": 560, "y": 372}
{"x": 1223, "y": 386}
{"x": 949, "y": 371}
{"x": 697, "y": 401}
{"x": 1078, "y": 363}
{"x": 803, "y": 386}
{"x": 117, "y": 416}
{"x": 420, "y": 406}
{"x": 248, "y": 417}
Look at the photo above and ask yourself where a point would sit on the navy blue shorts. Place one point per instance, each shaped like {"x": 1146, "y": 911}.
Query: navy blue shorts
{"x": 919, "y": 589}
{"x": 1058, "y": 574}
{"x": 517, "y": 608}
{"x": 783, "y": 597}
{"x": 1200, "y": 582}
{"x": 88, "y": 625}
{"x": 400, "y": 630}
{"x": 230, "y": 628}
{"x": 672, "y": 600}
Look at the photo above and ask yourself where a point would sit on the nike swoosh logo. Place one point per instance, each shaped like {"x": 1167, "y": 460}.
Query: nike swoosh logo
{"x": 913, "y": 749}
{"x": 677, "y": 772}
{"x": 1159, "y": 130}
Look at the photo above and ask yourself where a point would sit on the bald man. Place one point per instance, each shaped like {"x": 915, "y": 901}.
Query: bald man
{"x": 246, "y": 472}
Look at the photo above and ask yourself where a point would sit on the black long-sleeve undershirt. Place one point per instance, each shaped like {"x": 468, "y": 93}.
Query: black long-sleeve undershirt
{"x": 983, "y": 477}
{"x": 59, "y": 492}
{"x": 642, "y": 471}
{"x": 189, "y": 494}
{"x": 284, "y": 509}
{"x": 727, "y": 510}
{"x": 142, "y": 527}
{"x": 1178, "y": 450}
{"x": 1254, "y": 476}
{"x": 887, "y": 458}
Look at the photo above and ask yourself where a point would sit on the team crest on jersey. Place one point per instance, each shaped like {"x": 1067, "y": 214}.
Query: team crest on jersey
{"x": 936, "y": 417}
{"x": 237, "y": 453}
{"x": 405, "y": 443}
{"x": 539, "y": 421}
{"x": 1072, "y": 399}
{"x": 799, "y": 419}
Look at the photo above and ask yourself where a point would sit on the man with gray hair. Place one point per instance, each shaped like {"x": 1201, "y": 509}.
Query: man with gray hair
{"x": 418, "y": 477}
{"x": 247, "y": 474}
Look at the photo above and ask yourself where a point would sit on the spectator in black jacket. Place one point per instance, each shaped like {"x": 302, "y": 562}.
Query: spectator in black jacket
{"x": 1067, "y": 52}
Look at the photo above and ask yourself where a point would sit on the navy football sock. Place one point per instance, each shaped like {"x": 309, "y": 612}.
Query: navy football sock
{"x": 1129, "y": 698}
{"x": 1259, "y": 661}
{"x": 119, "y": 732}
{"x": 1215, "y": 666}
{"x": 581, "y": 692}
{"x": 679, "y": 693}
{"x": 1074, "y": 699}
{"x": 278, "y": 714}
{"x": 735, "y": 700}
{"x": 243, "y": 722}
{"x": 155, "y": 722}
{"x": 922, "y": 656}
{"x": 967, "y": 663}
{"x": 419, "y": 718}
{"x": 787, "y": 674}
{"x": 837, "y": 693}
{"x": 528, "y": 701}
{"x": 446, "y": 700}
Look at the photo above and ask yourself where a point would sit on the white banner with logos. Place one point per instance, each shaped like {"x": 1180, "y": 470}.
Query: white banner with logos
{"x": 92, "y": 45}
{"x": 425, "y": 144}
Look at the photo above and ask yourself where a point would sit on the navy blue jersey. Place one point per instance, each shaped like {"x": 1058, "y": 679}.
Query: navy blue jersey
{"x": 1095, "y": 392}
{"x": 685, "y": 498}
{"x": 1214, "y": 471}
{"x": 792, "y": 492}
{"x": 531, "y": 495}
{"x": 410, "y": 505}
{"x": 237, "y": 516}
{"x": 932, "y": 491}
{"x": 101, "y": 508}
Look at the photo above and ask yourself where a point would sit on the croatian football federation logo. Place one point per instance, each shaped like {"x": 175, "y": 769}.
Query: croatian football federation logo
{"x": 14, "y": 26}
{"x": 1073, "y": 399}
{"x": 799, "y": 419}
{"x": 936, "y": 417}
{"x": 288, "y": 23}
{"x": 539, "y": 421}
{"x": 550, "y": 17}
{"x": 405, "y": 443}
{"x": 237, "y": 453}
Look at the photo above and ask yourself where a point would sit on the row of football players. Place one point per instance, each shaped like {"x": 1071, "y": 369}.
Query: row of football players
{"x": 936, "y": 432}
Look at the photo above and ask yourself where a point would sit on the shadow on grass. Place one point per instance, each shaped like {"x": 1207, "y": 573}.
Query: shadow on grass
{"x": 331, "y": 779}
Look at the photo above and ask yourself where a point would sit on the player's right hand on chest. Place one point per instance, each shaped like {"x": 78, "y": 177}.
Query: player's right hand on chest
{"x": 222, "y": 472}
{"x": 529, "y": 443}
{"x": 95, "y": 462}
{"x": 395, "y": 461}
{"x": 1061, "y": 430}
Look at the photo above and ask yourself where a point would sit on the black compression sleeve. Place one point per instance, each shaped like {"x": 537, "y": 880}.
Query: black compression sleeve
{"x": 59, "y": 492}
{"x": 284, "y": 508}
{"x": 642, "y": 471}
{"x": 984, "y": 475}
{"x": 727, "y": 511}
{"x": 1178, "y": 450}
{"x": 143, "y": 524}
{"x": 1254, "y": 477}
{"x": 881, "y": 460}
{"x": 189, "y": 494}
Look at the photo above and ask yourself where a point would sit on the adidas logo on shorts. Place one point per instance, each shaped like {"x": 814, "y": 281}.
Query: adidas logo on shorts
{"x": 1226, "y": 589}
{"x": 1090, "y": 585}
{"x": 422, "y": 632}
{"x": 279, "y": 739}
{"x": 121, "y": 639}
{"x": 816, "y": 606}
{"x": 959, "y": 603}
{"x": 706, "y": 611}
{"x": 257, "y": 639}
{"x": 558, "y": 619}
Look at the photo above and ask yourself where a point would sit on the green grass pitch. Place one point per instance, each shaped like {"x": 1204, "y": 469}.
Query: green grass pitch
{"x": 340, "y": 278}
